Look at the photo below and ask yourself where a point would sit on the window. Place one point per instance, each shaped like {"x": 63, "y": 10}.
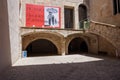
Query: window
{"x": 82, "y": 15}
{"x": 116, "y": 6}
{"x": 69, "y": 17}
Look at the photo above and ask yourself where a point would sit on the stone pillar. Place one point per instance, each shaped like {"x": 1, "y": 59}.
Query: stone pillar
{"x": 13, "y": 14}
{"x": 63, "y": 47}
{"x": 76, "y": 16}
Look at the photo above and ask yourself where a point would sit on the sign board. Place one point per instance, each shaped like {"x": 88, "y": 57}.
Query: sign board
{"x": 42, "y": 16}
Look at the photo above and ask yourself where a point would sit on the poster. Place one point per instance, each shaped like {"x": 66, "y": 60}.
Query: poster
{"x": 51, "y": 16}
{"x": 42, "y": 16}
{"x": 34, "y": 15}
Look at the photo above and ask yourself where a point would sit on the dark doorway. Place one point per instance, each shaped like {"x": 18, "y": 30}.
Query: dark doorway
{"x": 69, "y": 19}
{"x": 41, "y": 47}
{"x": 83, "y": 47}
{"x": 82, "y": 15}
{"x": 77, "y": 45}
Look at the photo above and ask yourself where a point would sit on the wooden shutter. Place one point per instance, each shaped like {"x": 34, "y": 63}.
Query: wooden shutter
{"x": 114, "y": 7}
{"x": 119, "y": 6}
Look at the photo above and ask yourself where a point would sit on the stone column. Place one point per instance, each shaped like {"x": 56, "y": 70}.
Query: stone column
{"x": 63, "y": 47}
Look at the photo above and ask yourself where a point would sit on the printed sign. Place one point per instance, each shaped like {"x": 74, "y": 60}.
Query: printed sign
{"x": 43, "y": 17}
{"x": 51, "y": 16}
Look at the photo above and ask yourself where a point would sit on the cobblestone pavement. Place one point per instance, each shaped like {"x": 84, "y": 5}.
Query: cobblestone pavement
{"x": 70, "y": 67}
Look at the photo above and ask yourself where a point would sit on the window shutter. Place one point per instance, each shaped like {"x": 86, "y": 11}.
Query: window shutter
{"x": 119, "y": 6}
{"x": 114, "y": 7}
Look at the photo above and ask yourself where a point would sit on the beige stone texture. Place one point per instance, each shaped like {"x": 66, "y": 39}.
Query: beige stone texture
{"x": 102, "y": 11}
{"x": 57, "y": 3}
{"x": 109, "y": 36}
{"x": 13, "y": 18}
{"x": 9, "y": 33}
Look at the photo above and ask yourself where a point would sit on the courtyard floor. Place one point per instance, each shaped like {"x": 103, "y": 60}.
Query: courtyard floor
{"x": 69, "y": 67}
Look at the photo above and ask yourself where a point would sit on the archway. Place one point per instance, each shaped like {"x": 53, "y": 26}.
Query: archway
{"x": 77, "y": 45}
{"x": 41, "y": 47}
{"x": 82, "y": 15}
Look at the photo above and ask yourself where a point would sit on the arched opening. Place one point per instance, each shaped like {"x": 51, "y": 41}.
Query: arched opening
{"x": 82, "y": 15}
{"x": 77, "y": 45}
{"x": 41, "y": 47}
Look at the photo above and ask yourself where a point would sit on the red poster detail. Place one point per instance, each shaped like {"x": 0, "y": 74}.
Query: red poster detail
{"x": 34, "y": 15}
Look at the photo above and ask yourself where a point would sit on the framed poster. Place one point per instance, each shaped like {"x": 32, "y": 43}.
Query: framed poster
{"x": 42, "y": 16}
{"x": 51, "y": 17}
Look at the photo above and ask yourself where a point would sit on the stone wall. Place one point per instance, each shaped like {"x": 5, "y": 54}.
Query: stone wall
{"x": 5, "y": 57}
{"x": 106, "y": 47}
{"x": 58, "y": 3}
{"x": 109, "y": 37}
{"x": 61, "y": 41}
{"x": 13, "y": 14}
{"x": 103, "y": 28}
{"x": 106, "y": 25}
{"x": 102, "y": 11}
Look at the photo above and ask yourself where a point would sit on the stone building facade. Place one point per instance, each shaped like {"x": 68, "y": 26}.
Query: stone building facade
{"x": 9, "y": 33}
{"x": 105, "y": 18}
{"x": 102, "y": 36}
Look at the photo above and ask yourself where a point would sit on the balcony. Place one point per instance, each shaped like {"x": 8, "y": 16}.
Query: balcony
{"x": 84, "y": 24}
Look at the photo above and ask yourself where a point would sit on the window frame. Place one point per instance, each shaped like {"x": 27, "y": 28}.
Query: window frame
{"x": 116, "y": 7}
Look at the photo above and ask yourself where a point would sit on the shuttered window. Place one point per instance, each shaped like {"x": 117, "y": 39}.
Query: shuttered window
{"x": 69, "y": 16}
{"x": 116, "y": 6}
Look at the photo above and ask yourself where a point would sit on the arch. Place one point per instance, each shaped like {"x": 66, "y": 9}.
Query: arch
{"x": 71, "y": 37}
{"x": 26, "y": 40}
{"x": 77, "y": 45}
{"x": 82, "y": 11}
{"x": 97, "y": 44}
{"x": 106, "y": 46}
{"x": 109, "y": 40}
{"x": 41, "y": 47}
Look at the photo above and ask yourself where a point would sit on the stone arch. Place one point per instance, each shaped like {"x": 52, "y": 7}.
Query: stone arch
{"x": 41, "y": 47}
{"x": 77, "y": 45}
{"x": 73, "y": 36}
{"x": 105, "y": 37}
{"x": 55, "y": 39}
{"x": 109, "y": 48}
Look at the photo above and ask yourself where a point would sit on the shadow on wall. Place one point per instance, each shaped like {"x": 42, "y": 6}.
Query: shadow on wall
{"x": 5, "y": 56}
